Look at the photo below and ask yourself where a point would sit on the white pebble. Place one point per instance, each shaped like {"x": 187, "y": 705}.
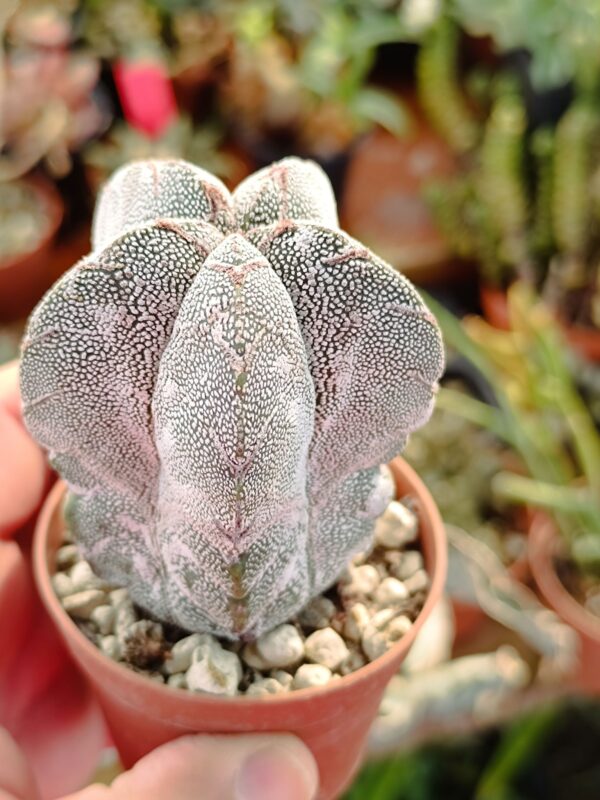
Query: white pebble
{"x": 417, "y": 582}
{"x": 63, "y": 585}
{"x": 284, "y": 678}
{"x": 410, "y": 562}
{"x": 265, "y": 686}
{"x": 363, "y": 581}
{"x": 326, "y": 647}
{"x": 125, "y": 616}
{"x": 177, "y": 681}
{"x": 118, "y": 596}
{"x": 104, "y": 618}
{"x": 110, "y": 647}
{"x": 252, "y": 658}
{"x": 66, "y": 556}
{"x": 398, "y": 627}
{"x": 84, "y": 578}
{"x": 219, "y": 672}
{"x": 356, "y": 621}
{"x": 281, "y": 647}
{"x": 309, "y": 675}
{"x": 355, "y": 661}
{"x": 390, "y": 592}
{"x": 180, "y": 657}
{"x": 81, "y": 604}
{"x": 384, "y": 629}
{"x": 397, "y": 526}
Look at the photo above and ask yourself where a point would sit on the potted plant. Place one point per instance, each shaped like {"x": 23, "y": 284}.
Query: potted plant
{"x": 546, "y": 422}
{"x": 218, "y": 384}
{"x": 46, "y": 113}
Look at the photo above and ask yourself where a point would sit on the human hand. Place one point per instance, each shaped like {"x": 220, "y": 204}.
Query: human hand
{"x": 254, "y": 767}
{"x": 44, "y": 703}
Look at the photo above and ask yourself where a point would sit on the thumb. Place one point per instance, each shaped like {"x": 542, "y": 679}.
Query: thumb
{"x": 257, "y": 767}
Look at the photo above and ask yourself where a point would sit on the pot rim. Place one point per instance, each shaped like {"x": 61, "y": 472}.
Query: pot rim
{"x": 436, "y": 560}
{"x": 544, "y": 545}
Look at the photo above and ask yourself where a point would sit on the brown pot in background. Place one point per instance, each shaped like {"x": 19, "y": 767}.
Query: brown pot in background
{"x": 586, "y": 341}
{"x": 333, "y": 721}
{"x": 26, "y": 276}
{"x": 544, "y": 547}
{"x": 384, "y": 204}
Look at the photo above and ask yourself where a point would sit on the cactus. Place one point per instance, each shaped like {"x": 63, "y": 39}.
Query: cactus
{"x": 219, "y": 383}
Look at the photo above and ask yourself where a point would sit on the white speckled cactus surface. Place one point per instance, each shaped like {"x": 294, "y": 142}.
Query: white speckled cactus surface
{"x": 219, "y": 382}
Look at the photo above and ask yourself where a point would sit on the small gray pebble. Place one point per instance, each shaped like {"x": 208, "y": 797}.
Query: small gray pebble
{"x": 318, "y": 613}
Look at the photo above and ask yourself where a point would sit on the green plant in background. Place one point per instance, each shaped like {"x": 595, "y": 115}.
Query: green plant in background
{"x": 312, "y": 87}
{"x": 199, "y": 145}
{"x": 523, "y": 203}
{"x": 562, "y": 37}
{"x": 440, "y": 91}
{"x": 458, "y": 460}
{"x": 117, "y": 28}
{"x": 541, "y": 416}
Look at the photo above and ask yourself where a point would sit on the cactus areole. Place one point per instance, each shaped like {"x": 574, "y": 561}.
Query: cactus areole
{"x": 219, "y": 383}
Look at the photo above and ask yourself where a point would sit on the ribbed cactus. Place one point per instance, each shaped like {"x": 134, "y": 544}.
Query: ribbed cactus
{"x": 219, "y": 383}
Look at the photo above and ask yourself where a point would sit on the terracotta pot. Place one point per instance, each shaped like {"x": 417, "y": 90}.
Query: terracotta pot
{"x": 470, "y": 618}
{"x": 586, "y": 341}
{"x": 332, "y": 721}
{"x": 385, "y": 208}
{"x": 25, "y": 277}
{"x": 544, "y": 546}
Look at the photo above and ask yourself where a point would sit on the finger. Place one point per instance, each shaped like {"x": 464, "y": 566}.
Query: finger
{"x": 257, "y": 767}
{"x": 10, "y": 398}
{"x": 22, "y": 474}
{"x": 16, "y": 779}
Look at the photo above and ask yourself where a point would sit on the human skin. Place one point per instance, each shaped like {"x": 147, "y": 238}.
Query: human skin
{"x": 49, "y": 724}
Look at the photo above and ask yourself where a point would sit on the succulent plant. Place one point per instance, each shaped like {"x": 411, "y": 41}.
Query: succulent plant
{"x": 219, "y": 382}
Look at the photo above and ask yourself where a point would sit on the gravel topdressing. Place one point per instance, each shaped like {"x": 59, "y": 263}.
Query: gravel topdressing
{"x": 373, "y": 605}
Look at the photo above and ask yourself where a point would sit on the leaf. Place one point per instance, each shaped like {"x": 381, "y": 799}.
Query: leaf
{"x": 382, "y": 108}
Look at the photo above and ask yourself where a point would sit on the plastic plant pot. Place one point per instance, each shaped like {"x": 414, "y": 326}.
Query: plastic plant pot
{"x": 333, "y": 720}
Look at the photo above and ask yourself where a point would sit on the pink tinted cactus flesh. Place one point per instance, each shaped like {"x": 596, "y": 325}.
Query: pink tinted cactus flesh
{"x": 219, "y": 383}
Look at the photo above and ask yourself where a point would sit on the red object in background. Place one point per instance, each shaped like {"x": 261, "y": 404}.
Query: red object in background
{"x": 146, "y": 95}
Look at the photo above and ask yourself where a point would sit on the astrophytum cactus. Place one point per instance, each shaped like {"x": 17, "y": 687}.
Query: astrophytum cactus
{"x": 219, "y": 383}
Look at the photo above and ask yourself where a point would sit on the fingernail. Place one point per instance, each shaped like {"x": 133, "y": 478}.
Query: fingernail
{"x": 277, "y": 772}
